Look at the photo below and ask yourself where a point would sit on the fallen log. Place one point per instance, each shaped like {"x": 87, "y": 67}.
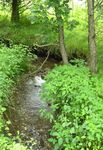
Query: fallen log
{"x": 42, "y": 50}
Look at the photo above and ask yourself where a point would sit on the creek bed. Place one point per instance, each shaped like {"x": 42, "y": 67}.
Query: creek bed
{"x": 26, "y": 118}
{"x": 25, "y": 113}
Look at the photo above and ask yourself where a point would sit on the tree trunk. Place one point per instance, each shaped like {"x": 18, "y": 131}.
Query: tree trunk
{"x": 15, "y": 11}
{"x": 62, "y": 44}
{"x": 91, "y": 35}
{"x": 61, "y": 33}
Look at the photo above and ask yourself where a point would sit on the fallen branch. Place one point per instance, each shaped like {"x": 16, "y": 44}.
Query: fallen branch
{"x": 43, "y": 63}
{"x": 36, "y": 71}
{"x": 46, "y": 45}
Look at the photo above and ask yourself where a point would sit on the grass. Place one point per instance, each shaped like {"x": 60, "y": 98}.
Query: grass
{"x": 76, "y": 39}
{"x": 25, "y": 32}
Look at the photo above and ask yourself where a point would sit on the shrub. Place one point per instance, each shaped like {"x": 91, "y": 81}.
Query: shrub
{"x": 76, "y": 110}
{"x": 13, "y": 61}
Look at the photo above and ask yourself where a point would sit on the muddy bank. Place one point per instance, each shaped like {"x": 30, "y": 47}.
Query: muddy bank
{"x": 42, "y": 50}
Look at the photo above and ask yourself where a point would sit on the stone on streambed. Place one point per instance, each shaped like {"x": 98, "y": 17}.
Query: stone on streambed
{"x": 38, "y": 81}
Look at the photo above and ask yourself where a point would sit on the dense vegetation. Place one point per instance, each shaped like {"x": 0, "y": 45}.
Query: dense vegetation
{"x": 70, "y": 29}
{"x": 13, "y": 61}
{"x": 76, "y": 108}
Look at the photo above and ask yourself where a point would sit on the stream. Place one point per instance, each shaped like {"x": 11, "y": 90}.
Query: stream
{"x": 25, "y": 115}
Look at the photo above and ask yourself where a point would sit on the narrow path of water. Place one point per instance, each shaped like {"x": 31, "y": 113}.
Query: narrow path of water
{"x": 25, "y": 115}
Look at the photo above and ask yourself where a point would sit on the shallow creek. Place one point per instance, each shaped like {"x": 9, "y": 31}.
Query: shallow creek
{"x": 25, "y": 115}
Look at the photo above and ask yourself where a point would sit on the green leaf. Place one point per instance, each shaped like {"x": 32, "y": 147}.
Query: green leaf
{"x": 60, "y": 141}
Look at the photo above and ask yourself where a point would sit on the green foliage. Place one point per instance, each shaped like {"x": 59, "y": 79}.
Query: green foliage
{"x": 13, "y": 61}
{"x": 60, "y": 7}
{"x": 76, "y": 39}
{"x": 44, "y": 28}
{"x": 8, "y": 144}
{"x": 76, "y": 110}
{"x": 39, "y": 13}
{"x": 27, "y": 33}
{"x": 78, "y": 62}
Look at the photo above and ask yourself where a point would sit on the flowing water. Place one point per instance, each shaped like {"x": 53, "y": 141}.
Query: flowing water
{"x": 26, "y": 118}
{"x": 25, "y": 115}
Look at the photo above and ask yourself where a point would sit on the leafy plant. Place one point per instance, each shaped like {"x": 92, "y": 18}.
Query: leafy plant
{"x": 13, "y": 61}
{"x": 76, "y": 108}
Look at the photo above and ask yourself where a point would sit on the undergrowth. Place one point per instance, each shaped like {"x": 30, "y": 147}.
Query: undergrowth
{"x": 13, "y": 61}
{"x": 76, "y": 37}
{"x": 26, "y": 33}
{"x": 76, "y": 108}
